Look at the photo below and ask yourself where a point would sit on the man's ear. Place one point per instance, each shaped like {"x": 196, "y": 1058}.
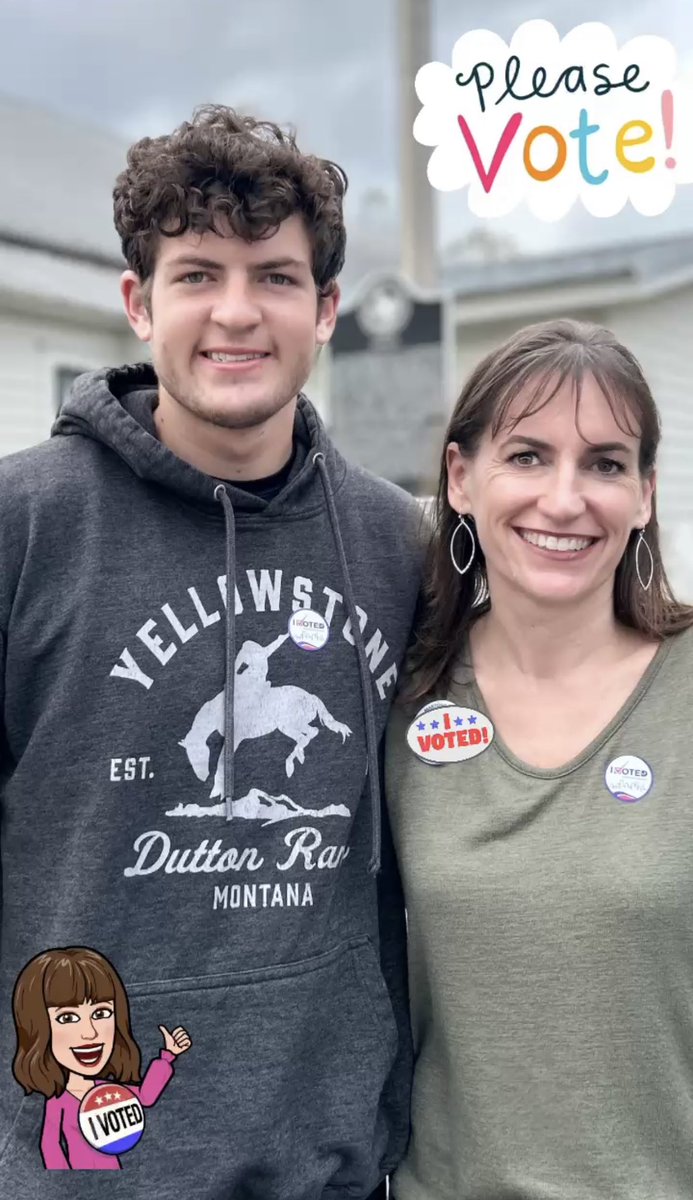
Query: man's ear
{"x": 136, "y": 300}
{"x": 458, "y": 478}
{"x": 327, "y": 315}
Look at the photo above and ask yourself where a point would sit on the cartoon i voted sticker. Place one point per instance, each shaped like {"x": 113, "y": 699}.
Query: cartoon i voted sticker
{"x": 111, "y": 1118}
{"x": 628, "y": 778}
{"x": 309, "y": 630}
{"x": 445, "y": 732}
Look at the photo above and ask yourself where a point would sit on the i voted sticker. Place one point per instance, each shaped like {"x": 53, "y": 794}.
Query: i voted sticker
{"x": 111, "y": 1118}
{"x": 628, "y": 778}
{"x": 444, "y": 732}
{"x": 308, "y": 629}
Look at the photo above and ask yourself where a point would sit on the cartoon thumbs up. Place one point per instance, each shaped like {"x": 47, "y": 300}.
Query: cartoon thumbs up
{"x": 177, "y": 1042}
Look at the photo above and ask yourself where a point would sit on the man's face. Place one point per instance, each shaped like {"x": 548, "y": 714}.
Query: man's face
{"x": 234, "y": 325}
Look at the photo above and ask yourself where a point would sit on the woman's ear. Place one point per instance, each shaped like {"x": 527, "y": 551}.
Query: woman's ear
{"x": 458, "y": 473}
{"x": 648, "y": 488}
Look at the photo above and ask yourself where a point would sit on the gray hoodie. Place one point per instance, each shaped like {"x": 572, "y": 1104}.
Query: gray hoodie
{"x": 190, "y": 787}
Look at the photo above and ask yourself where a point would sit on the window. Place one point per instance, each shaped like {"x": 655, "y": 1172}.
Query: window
{"x": 63, "y": 378}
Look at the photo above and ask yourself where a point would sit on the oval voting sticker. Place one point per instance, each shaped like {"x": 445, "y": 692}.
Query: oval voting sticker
{"x": 444, "y": 732}
{"x": 308, "y": 629}
{"x": 628, "y": 778}
{"x": 111, "y": 1118}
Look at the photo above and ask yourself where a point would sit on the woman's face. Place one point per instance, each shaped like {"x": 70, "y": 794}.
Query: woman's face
{"x": 554, "y": 505}
{"x": 82, "y": 1035}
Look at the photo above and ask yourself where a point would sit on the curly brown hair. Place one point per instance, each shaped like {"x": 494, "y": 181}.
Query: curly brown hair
{"x": 222, "y": 169}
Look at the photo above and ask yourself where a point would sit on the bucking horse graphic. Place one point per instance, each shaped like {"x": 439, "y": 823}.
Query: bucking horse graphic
{"x": 259, "y": 709}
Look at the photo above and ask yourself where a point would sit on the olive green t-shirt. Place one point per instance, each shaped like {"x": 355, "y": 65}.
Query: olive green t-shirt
{"x": 551, "y": 956}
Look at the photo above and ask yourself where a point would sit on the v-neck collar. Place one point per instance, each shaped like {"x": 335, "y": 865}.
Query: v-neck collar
{"x": 463, "y": 676}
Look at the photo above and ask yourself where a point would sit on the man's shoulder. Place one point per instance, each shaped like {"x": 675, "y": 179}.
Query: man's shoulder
{"x": 388, "y": 499}
{"x": 55, "y": 465}
{"x": 387, "y": 516}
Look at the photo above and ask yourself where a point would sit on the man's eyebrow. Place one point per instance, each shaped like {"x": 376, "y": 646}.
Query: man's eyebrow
{"x": 273, "y": 263}
{"x": 193, "y": 260}
{"x": 595, "y": 447}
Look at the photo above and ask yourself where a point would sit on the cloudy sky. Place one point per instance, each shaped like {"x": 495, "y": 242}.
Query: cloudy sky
{"x": 329, "y": 66}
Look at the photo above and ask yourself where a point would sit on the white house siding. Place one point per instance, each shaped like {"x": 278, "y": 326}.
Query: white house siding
{"x": 660, "y": 332}
{"x": 474, "y": 342}
{"x": 32, "y": 349}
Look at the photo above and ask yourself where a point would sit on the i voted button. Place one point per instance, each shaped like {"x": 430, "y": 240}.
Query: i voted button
{"x": 111, "y": 1118}
{"x": 445, "y": 732}
{"x": 308, "y": 630}
{"x": 628, "y": 778}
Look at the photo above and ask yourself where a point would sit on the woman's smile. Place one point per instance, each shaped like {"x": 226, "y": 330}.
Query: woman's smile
{"x": 88, "y": 1056}
{"x": 560, "y": 547}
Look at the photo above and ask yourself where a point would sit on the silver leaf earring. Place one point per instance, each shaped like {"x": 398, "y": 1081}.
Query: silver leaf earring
{"x": 642, "y": 542}
{"x": 462, "y": 524}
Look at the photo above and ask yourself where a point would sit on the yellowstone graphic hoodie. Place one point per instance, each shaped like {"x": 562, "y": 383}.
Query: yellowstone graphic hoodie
{"x": 194, "y": 683}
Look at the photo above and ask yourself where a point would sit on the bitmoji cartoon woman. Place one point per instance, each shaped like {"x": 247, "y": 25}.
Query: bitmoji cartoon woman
{"x": 72, "y": 1019}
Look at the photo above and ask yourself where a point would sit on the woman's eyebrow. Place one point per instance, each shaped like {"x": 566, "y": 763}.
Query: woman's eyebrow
{"x": 604, "y": 447}
{"x": 528, "y": 441}
{"x": 594, "y": 447}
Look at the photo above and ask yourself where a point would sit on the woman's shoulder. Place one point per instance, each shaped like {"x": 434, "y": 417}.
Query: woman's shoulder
{"x": 665, "y": 688}
{"x": 410, "y": 704}
{"x": 677, "y": 659}
{"x": 679, "y": 646}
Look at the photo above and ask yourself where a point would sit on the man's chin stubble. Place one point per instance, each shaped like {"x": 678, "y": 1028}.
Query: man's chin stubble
{"x": 236, "y": 416}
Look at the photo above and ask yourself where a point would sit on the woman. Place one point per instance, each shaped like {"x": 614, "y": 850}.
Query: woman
{"x": 73, "y": 1032}
{"x": 541, "y": 792}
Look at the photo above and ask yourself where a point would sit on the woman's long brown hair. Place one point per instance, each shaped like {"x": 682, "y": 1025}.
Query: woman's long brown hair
{"x": 536, "y": 361}
{"x": 74, "y": 975}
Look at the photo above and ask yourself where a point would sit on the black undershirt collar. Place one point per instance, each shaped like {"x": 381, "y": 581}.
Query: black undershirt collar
{"x": 270, "y": 486}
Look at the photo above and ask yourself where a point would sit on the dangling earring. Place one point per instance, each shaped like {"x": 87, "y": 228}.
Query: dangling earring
{"x": 642, "y": 541}
{"x": 462, "y": 524}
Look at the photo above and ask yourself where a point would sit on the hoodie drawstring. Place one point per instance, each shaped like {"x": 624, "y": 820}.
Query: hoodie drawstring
{"x": 364, "y": 674}
{"x": 222, "y": 496}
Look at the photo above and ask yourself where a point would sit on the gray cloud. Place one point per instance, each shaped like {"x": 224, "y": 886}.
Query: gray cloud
{"x": 140, "y": 66}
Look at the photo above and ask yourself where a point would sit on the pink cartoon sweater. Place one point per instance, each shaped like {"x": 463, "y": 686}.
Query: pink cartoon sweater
{"x": 61, "y": 1122}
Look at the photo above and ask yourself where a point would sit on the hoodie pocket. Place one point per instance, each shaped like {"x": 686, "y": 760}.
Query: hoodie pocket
{"x": 24, "y": 1130}
{"x": 278, "y": 1096}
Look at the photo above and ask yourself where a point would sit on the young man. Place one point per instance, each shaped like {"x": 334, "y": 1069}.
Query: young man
{"x": 202, "y": 613}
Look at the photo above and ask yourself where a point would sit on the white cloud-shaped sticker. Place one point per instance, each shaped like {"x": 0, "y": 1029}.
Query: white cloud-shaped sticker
{"x": 551, "y": 121}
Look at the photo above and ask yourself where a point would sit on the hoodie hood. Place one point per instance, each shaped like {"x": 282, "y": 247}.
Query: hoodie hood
{"x": 115, "y": 407}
